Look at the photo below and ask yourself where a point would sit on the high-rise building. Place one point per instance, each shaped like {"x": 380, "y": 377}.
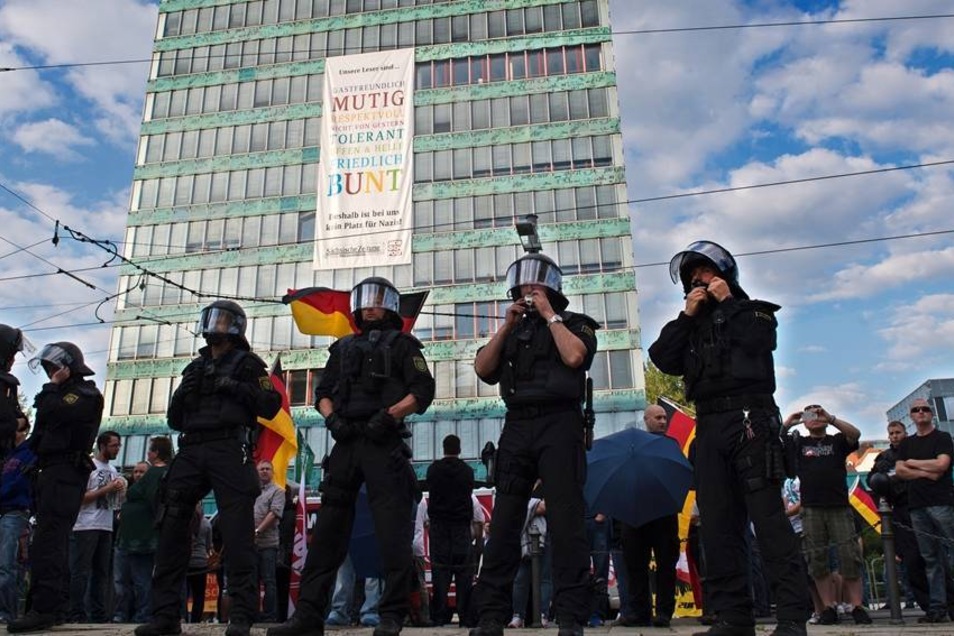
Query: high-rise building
{"x": 514, "y": 110}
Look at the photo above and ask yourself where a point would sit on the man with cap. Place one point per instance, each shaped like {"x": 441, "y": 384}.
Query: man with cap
{"x": 721, "y": 344}
{"x": 372, "y": 381}
{"x": 539, "y": 357}
{"x": 924, "y": 461}
{"x": 222, "y": 393}
{"x": 68, "y": 411}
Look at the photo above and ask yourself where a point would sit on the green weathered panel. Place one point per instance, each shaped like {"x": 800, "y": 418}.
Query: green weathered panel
{"x": 490, "y": 90}
{"x": 572, "y": 286}
{"x": 231, "y": 118}
{"x": 594, "y": 35}
{"x": 231, "y": 209}
{"x": 227, "y": 258}
{"x": 517, "y": 134}
{"x": 520, "y": 183}
{"x": 493, "y": 237}
{"x": 224, "y": 163}
{"x": 232, "y": 76}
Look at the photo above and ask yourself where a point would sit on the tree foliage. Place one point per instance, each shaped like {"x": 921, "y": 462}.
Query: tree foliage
{"x": 658, "y": 384}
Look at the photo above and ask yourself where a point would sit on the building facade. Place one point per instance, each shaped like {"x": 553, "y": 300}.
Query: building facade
{"x": 515, "y": 112}
{"x": 940, "y": 395}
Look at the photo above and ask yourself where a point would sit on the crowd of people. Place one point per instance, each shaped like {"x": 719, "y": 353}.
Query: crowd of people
{"x": 770, "y": 504}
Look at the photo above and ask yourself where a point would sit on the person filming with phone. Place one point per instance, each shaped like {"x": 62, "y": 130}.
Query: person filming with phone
{"x": 827, "y": 517}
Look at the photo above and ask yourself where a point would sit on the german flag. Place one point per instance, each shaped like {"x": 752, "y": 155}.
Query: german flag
{"x": 277, "y": 442}
{"x": 863, "y": 504}
{"x": 319, "y": 311}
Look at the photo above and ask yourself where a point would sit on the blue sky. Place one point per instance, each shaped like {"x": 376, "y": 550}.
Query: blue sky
{"x": 861, "y": 325}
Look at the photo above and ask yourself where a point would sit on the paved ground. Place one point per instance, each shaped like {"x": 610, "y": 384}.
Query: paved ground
{"x": 680, "y": 627}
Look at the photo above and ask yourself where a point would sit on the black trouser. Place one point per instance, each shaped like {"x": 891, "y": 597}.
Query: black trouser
{"x": 391, "y": 487}
{"x": 225, "y": 467}
{"x": 659, "y": 538}
{"x": 450, "y": 557}
{"x": 59, "y": 495}
{"x": 733, "y": 487}
{"x": 549, "y": 447}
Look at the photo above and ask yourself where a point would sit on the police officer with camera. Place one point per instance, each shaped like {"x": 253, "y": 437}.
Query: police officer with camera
{"x": 539, "y": 357}
{"x": 372, "y": 381}
{"x": 68, "y": 411}
{"x": 721, "y": 344}
{"x": 222, "y": 393}
{"x": 12, "y": 342}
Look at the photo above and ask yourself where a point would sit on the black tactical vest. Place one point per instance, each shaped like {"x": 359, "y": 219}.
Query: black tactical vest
{"x": 532, "y": 371}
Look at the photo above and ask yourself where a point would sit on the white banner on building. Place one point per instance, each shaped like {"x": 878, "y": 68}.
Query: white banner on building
{"x": 366, "y": 169}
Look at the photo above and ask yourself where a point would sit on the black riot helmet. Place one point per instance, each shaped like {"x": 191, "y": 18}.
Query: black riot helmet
{"x": 537, "y": 269}
{"x": 12, "y": 342}
{"x": 705, "y": 253}
{"x": 57, "y": 355}
{"x": 376, "y": 292}
{"x": 224, "y": 319}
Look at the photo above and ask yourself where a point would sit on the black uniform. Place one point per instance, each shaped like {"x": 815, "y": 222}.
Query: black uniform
{"x": 10, "y": 412}
{"x": 217, "y": 403}
{"x": 450, "y": 483}
{"x": 366, "y": 374}
{"x": 542, "y": 437}
{"x": 67, "y": 422}
{"x": 724, "y": 354}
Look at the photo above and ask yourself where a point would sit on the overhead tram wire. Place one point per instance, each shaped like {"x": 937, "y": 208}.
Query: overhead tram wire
{"x": 198, "y": 294}
{"x": 344, "y": 49}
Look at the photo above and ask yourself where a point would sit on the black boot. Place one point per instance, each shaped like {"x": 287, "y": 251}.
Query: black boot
{"x": 487, "y": 628}
{"x": 790, "y": 628}
{"x": 387, "y": 627}
{"x": 32, "y": 621}
{"x": 722, "y": 628}
{"x": 238, "y": 628}
{"x": 160, "y": 626}
{"x": 570, "y": 629}
{"x": 298, "y": 625}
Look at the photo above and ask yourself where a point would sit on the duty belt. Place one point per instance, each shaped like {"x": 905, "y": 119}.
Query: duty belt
{"x": 191, "y": 438}
{"x": 733, "y": 402}
{"x": 530, "y": 411}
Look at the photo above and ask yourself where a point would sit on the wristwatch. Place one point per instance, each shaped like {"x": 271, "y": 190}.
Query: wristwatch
{"x": 554, "y": 318}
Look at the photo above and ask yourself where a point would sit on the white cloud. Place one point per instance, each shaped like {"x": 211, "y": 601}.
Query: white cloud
{"x": 813, "y": 349}
{"x": 921, "y": 332}
{"x": 53, "y": 137}
{"x": 23, "y": 91}
{"x": 91, "y": 31}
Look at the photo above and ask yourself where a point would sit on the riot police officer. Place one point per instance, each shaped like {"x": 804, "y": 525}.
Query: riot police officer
{"x": 539, "y": 357}
{"x": 12, "y": 342}
{"x": 722, "y": 344}
{"x": 68, "y": 410}
{"x": 222, "y": 393}
{"x": 372, "y": 381}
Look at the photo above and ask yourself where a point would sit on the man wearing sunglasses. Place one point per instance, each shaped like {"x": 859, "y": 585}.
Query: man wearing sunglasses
{"x": 924, "y": 461}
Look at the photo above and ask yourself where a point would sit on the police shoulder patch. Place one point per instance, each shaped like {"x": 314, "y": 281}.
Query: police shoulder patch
{"x": 266, "y": 383}
{"x": 588, "y": 331}
{"x": 70, "y": 398}
{"x": 764, "y": 316}
{"x": 421, "y": 365}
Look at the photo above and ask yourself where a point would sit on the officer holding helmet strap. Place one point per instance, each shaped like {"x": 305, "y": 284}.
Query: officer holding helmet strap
{"x": 68, "y": 411}
{"x": 722, "y": 344}
{"x": 372, "y": 380}
{"x": 222, "y": 394}
{"x": 539, "y": 357}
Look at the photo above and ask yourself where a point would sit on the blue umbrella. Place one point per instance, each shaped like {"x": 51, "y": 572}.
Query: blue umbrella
{"x": 635, "y": 476}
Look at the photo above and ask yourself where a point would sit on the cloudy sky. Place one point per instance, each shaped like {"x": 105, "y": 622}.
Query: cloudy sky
{"x": 863, "y": 323}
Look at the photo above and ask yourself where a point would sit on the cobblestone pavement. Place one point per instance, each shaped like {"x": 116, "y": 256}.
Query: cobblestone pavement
{"x": 680, "y": 627}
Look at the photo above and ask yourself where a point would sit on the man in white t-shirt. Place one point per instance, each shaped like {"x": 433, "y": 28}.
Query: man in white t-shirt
{"x": 92, "y": 541}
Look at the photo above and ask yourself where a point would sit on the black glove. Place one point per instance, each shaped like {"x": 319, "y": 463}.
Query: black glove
{"x": 341, "y": 429}
{"x": 226, "y": 385}
{"x": 382, "y": 427}
{"x": 190, "y": 383}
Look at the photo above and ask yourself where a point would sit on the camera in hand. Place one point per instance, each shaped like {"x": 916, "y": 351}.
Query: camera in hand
{"x": 809, "y": 416}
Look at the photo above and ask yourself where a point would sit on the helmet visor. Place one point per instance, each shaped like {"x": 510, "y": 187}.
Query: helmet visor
{"x": 719, "y": 257}
{"x": 51, "y": 357}
{"x": 220, "y": 320}
{"x": 373, "y": 295}
{"x": 24, "y": 345}
{"x": 533, "y": 271}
